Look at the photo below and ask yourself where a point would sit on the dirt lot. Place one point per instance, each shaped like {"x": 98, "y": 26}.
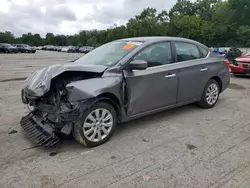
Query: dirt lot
{"x": 184, "y": 147}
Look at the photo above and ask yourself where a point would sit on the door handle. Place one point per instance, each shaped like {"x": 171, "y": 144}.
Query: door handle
{"x": 203, "y": 69}
{"x": 170, "y": 76}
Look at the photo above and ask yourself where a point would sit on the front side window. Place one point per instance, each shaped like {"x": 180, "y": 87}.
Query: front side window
{"x": 186, "y": 51}
{"x": 108, "y": 54}
{"x": 156, "y": 54}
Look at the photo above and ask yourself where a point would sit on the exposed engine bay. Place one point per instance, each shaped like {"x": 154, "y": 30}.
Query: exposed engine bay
{"x": 53, "y": 114}
{"x": 55, "y": 104}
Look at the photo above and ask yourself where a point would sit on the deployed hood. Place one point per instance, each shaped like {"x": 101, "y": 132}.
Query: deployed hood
{"x": 38, "y": 83}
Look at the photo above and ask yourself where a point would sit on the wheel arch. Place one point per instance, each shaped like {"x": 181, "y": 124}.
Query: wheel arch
{"x": 113, "y": 100}
{"x": 218, "y": 79}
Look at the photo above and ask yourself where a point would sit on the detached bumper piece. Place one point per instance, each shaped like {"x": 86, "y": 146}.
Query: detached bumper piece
{"x": 40, "y": 133}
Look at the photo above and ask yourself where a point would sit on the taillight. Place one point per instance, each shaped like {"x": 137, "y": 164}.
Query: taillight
{"x": 227, "y": 63}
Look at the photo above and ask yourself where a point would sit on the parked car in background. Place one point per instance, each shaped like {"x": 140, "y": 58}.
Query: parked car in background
{"x": 233, "y": 53}
{"x": 50, "y": 48}
{"x": 82, "y": 49}
{"x": 86, "y": 49}
{"x": 73, "y": 49}
{"x": 24, "y": 48}
{"x": 117, "y": 82}
{"x": 59, "y": 48}
{"x": 8, "y": 48}
{"x": 44, "y": 47}
{"x": 65, "y": 49}
{"x": 241, "y": 65}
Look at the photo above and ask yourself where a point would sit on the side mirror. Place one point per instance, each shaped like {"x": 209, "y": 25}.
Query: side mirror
{"x": 138, "y": 65}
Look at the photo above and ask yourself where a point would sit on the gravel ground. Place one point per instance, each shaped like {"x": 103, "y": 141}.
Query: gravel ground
{"x": 184, "y": 147}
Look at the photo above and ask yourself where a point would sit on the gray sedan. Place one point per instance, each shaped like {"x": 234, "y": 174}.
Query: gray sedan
{"x": 117, "y": 82}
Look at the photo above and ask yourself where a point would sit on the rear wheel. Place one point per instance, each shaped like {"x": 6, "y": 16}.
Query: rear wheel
{"x": 96, "y": 125}
{"x": 210, "y": 94}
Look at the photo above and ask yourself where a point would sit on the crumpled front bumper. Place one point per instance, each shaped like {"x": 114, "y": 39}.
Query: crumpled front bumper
{"x": 45, "y": 124}
{"x": 40, "y": 132}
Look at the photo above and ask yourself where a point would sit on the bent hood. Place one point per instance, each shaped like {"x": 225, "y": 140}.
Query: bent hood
{"x": 243, "y": 59}
{"x": 38, "y": 83}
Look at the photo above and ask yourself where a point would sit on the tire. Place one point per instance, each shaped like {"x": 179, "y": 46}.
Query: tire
{"x": 207, "y": 102}
{"x": 80, "y": 132}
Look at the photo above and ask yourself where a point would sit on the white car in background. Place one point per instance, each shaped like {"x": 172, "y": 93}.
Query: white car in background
{"x": 65, "y": 49}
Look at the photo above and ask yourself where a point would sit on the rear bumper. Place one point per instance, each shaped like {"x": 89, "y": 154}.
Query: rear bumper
{"x": 42, "y": 133}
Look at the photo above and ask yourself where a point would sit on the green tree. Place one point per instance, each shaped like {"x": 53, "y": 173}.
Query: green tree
{"x": 243, "y": 35}
{"x": 184, "y": 7}
{"x": 240, "y": 11}
{"x": 186, "y": 26}
{"x": 92, "y": 41}
{"x": 7, "y": 37}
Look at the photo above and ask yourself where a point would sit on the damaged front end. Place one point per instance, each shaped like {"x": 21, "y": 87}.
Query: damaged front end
{"x": 53, "y": 110}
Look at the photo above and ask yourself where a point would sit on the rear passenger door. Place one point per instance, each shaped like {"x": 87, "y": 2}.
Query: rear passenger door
{"x": 192, "y": 71}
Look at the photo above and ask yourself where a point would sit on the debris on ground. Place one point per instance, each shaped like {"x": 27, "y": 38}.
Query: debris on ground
{"x": 13, "y": 132}
{"x": 53, "y": 153}
{"x": 145, "y": 140}
{"x": 113, "y": 157}
{"x": 191, "y": 146}
{"x": 146, "y": 178}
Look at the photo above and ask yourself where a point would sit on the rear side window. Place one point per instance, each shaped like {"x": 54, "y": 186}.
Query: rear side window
{"x": 186, "y": 51}
{"x": 204, "y": 52}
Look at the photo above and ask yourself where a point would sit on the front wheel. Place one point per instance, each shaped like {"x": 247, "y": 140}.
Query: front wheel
{"x": 96, "y": 125}
{"x": 210, "y": 94}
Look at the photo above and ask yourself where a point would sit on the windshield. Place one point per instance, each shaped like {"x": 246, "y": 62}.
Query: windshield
{"x": 248, "y": 54}
{"x": 108, "y": 54}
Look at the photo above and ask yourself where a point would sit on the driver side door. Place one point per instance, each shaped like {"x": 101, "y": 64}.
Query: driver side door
{"x": 154, "y": 88}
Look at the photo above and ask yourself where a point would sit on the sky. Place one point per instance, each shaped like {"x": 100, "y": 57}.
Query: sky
{"x": 70, "y": 16}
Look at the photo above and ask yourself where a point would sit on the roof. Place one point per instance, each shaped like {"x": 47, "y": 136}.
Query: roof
{"x": 159, "y": 38}
{"x": 155, "y": 38}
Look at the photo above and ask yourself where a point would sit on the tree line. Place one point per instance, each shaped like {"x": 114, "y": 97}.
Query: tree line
{"x": 212, "y": 22}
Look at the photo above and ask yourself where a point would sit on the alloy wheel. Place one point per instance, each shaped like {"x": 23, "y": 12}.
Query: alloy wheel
{"x": 98, "y": 125}
{"x": 212, "y": 94}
